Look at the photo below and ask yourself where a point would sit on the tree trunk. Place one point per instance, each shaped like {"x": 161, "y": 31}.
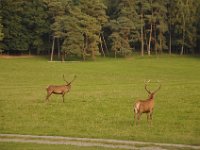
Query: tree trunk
{"x": 183, "y": 42}
{"x": 83, "y": 54}
{"x": 170, "y": 37}
{"x": 52, "y": 50}
{"x": 150, "y": 37}
{"x": 182, "y": 49}
{"x": 63, "y": 56}
{"x": 142, "y": 35}
{"x": 170, "y": 42}
{"x": 183, "y": 36}
{"x": 105, "y": 43}
{"x": 84, "y": 46}
{"x": 58, "y": 44}
{"x": 101, "y": 45}
{"x": 155, "y": 40}
{"x": 161, "y": 47}
{"x": 29, "y": 51}
{"x": 93, "y": 54}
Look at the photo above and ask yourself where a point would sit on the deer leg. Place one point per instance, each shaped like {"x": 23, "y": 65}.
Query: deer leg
{"x": 135, "y": 119}
{"x": 136, "y": 114}
{"x": 63, "y": 95}
{"x": 148, "y": 116}
{"x": 138, "y": 117}
{"x": 151, "y": 114}
{"x": 48, "y": 95}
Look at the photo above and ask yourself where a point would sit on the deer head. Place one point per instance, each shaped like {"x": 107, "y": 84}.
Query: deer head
{"x": 59, "y": 89}
{"x": 151, "y": 94}
{"x": 67, "y": 81}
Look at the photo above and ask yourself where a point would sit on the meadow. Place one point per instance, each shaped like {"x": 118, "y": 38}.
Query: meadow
{"x": 100, "y": 103}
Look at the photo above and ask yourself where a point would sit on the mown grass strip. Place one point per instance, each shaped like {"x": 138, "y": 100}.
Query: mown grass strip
{"x": 88, "y": 142}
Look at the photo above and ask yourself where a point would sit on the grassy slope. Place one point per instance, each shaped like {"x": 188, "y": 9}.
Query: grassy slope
{"x": 100, "y": 103}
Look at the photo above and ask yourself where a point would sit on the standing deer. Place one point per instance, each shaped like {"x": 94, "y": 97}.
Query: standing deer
{"x": 145, "y": 106}
{"x": 59, "y": 89}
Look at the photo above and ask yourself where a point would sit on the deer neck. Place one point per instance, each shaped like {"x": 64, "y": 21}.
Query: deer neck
{"x": 151, "y": 97}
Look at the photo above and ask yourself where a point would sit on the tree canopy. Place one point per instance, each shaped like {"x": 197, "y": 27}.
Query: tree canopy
{"x": 86, "y": 29}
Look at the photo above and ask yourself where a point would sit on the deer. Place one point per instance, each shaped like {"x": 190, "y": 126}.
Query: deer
{"x": 145, "y": 106}
{"x": 59, "y": 89}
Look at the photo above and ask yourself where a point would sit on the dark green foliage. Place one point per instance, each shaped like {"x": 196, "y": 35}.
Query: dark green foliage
{"x": 197, "y": 49}
{"x": 186, "y": 25}
{"x": 86, "y": 29}
{"x": 1, "y": 35}
{"x": 78, "y": 24}
{"x": 183, "y": 19}
{"x": 122, "y": 26}
{"x": 1, "y": 30}
{"x": 25, "y": 23}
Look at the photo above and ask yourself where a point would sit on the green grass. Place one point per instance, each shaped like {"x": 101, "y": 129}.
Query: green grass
{"x": 100, "y": 102}
{"x": 28, "y": 146}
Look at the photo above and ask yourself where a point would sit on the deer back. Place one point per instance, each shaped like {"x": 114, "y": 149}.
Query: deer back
{"x": 57, "y": 89}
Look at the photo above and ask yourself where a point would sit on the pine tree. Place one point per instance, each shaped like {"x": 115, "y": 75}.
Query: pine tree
{"x": 185, "y": 25}
{"x": 34, "y": 19}
{"x": 74, "y": 33}
{"x": 25, "y": 23}
{"x": 95, "y": 18}
{"x": 1, "y": 26}
{"x": 1, "y": 36}
{"x": 191, "y": 32}
{"x": 142, "y": 7}
{"x": 123, "y": 26}
{"x": 1, "y": 30}
{"x": 63, "y": 25}
{"x": 160, "y": 25}
{"x": 78, "y": 25}
{"x": 198, "y": 28}
{"x": 171, "y": 22}
{"x": 14, "y": 39}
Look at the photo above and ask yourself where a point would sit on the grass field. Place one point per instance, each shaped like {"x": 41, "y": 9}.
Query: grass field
{"x": 27, "y": 146}
{"x": 100, "y": 102}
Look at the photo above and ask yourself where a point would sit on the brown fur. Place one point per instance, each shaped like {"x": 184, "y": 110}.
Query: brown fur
{"x": 59, "y": 89}
{"x": 145, "y": 106}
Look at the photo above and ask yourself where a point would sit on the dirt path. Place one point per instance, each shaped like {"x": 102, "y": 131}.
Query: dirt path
{"x": 90, "y": 142}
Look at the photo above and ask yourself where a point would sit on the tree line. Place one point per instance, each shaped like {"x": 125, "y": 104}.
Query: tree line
{"x": 87, "y": 29}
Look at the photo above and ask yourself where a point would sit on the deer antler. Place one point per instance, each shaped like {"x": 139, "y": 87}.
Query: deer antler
{"x": 146, "y": 87}
{"x": 59, "y": 89}
{"x": 73, "y": 78}
{"x": 158, "y": 87}
{"x": 65, "y": 79}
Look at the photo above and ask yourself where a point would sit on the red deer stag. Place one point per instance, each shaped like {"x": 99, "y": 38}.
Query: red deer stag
{"x": 145, "y": 106}
{"x": 59, "y": 89}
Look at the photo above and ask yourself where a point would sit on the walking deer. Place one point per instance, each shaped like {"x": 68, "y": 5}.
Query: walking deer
{"x": 145, "y": 106}
{"x": 59, "y": 89}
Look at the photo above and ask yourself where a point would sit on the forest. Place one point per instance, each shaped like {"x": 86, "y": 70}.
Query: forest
{"x": 108, "y": 28}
